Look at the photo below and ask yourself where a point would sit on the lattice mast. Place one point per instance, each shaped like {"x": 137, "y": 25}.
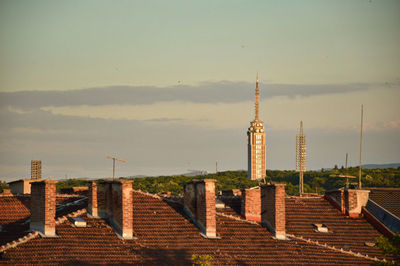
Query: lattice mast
{"x": 361, "y": 133}
{"x": 301, "y": 156}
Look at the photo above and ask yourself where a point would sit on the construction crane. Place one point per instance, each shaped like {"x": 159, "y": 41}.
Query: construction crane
{"x": 115, "y": 159}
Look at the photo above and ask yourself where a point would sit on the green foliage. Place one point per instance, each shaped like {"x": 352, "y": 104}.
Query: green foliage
{"x": 202, "y": 260}
{"x": 389, "y": 246}
{"x": 174, "y": 184}
{"x": 3, "y": 184}
{"x": 69, "y": 183}
{"x": 314, "y": 181}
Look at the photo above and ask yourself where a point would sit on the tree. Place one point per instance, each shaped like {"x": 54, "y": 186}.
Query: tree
{"x": 390, "y": 246}
{"x": 202, "y": 260}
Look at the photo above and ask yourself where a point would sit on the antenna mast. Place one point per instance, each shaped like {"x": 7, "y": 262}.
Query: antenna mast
{"x": 361, "y": 131}
{"x": 115, "y": 159}
{"x": 301, "y": 157}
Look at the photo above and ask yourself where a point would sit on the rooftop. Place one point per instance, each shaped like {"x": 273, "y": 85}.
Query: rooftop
{"x": 165, "y": 235}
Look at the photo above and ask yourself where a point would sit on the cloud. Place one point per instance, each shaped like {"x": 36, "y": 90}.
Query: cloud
{"x": 205, "y": 92}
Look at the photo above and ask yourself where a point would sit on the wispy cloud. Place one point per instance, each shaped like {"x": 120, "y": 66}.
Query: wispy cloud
{"x": 205, "y": 92}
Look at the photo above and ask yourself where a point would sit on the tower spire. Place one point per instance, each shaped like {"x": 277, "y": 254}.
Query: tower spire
{"x": 301, "y": 128}
{"x": 257, "y": 98}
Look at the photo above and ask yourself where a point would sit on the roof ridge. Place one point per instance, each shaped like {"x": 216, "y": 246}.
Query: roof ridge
{"x": 62, "y": 219}
{"x": 157, "y": 197}
{"x": 147, "y": 194}
{"x": 237, "y": 218}
{"x": 19, "y": 241}
{"x": 341, "y": 250}
{"x": 34, "y": 234}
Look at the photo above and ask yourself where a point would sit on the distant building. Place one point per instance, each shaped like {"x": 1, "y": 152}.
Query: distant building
{"x": 36, "y": 169}
{"x": 256, "y": 143}
{"x": 21, "y": 186}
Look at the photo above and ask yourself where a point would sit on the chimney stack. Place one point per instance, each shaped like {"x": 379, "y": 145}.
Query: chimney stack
{"x": 273, "y": 209}
{"x": 348, "y": 201}
{"x": 113, "y": 201}
{"x": 43, "y": 207}
{"x": 251, "y": 204}
{"x": 199, "y": 201}
{"x": 92, "y": 204}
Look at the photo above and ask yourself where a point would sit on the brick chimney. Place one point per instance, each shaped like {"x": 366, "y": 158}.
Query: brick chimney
{"x": 273, "y": 209}
{"x": 354, "y": 200}
{"x": 348, "y": 201}
{"x": 251, "y": 204}
{"x": 113, "y": 201}
{"x": 43, "y": 207}
{"x": 199, "y": 201}
{"x": 92, "y": 204}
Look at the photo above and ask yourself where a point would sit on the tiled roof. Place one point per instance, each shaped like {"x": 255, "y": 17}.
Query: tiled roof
{"x": 388, "y": 198}
{"x": 344, "y": 232}
{"x": 15, "y": 210}
{"x": 165, "y": 236}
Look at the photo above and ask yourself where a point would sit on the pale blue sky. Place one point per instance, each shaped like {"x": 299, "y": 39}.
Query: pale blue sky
{"x": 61, "y": 45}
{"x": 81, "y": 80}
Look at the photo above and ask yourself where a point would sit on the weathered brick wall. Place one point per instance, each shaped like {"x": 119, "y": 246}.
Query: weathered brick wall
{"x": 92, "y": 204}
{"x": 114, "y": 201}
{"x": 101, "y": 200}
{"x": 348, "y": 201}
{"x": 354, "y": 200}
{"x": 273, "y": 208}
{"x": 127, "y": 210}
{"x": 190, "y": 197}
{"x": 210, "y": 212}
{"x": 43, "y": 207}
{"x": 199, "y": 201}
{"x": 251, "y": 204}
{"x": 280, "y": 210}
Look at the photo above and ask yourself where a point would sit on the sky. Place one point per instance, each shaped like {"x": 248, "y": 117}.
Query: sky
{"x": 168, "y": 86}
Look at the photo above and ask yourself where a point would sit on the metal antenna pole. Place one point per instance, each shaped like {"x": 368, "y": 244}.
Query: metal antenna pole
{"x": 114, "y": 159}
{"x": 113, "y": 168}
{"x": 346, "y": 161}
{"x": 361, "y": 131}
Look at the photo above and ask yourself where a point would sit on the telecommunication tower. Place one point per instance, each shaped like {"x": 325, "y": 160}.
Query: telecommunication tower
{"x": 301, "y": 156}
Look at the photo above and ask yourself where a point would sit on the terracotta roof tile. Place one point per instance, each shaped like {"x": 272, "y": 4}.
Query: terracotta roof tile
{"x": 344, "y": 232}
{"x": 167, "y": 237}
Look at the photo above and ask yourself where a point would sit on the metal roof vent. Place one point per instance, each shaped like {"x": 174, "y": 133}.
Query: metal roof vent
{"x": 322, "y": 228}
{"x": 78, "y": 222}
